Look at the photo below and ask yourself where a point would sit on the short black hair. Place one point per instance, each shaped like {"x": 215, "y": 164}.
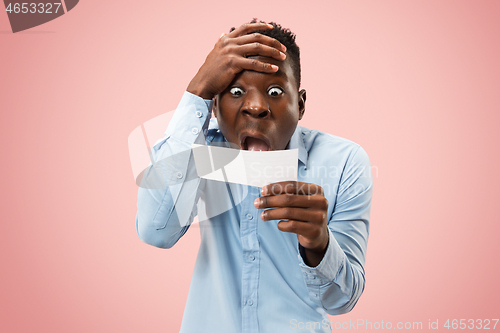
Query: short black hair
{"x": 287, "y": 38}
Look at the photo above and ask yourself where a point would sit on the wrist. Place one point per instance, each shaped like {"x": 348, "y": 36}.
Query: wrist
{"x": 199, "y": 89}
{"x": 313, "y": 256}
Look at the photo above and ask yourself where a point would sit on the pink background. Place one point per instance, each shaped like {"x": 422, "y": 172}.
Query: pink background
{"x": 416, "y": 83}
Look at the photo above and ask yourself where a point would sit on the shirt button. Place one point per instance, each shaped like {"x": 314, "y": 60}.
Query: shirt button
{"x": 179, "y": 175}
{"x": 250, "y": 302}
{"x": 199, "y": 114}
{"x": 249, "y": 216}
{"x": 194, "y": 131}
{"x": 251, "y": 257}
{"x": 205, "y": 131}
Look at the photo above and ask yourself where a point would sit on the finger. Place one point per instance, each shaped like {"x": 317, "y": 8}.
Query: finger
{"x": 260, "y": 38}
{"x": 292, "y": 213}
{"x": 257, "y": 49}
{"x": 220, "y": 38}
{"x": 255, "y": 65}
{"x": 292, "y": 200}
{"x": 292, "y": 187}
{"x": 249, "y": 28}
{"x": 304, "y": 229}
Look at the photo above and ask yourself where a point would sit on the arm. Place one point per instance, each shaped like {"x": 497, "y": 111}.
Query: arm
{"x": 170, "y": 188}
{"x": 332, "y": 250}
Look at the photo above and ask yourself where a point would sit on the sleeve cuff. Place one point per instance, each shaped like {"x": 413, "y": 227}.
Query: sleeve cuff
{"x": 191, "y": 118}
{"x": 190, "y": 97}
{"x": 328, "y": 268}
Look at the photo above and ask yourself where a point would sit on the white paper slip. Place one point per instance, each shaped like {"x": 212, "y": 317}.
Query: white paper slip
{"x": 254, "y": 168}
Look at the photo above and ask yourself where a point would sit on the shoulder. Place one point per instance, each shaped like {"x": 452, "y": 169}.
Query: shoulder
{"x": 335, "y": 163}
{"x": 320, "y": 145}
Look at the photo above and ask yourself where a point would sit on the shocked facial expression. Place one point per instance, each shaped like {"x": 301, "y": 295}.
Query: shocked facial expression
{"x": 260, "y": 111}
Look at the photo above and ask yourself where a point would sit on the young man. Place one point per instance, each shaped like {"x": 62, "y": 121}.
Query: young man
{"x": 271, "y": 259}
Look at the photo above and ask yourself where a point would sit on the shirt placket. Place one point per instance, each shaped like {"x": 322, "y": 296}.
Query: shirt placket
{"x": 251, "y": 262}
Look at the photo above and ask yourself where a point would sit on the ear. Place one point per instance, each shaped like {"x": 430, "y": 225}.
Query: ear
{"x": 302, "y": 103}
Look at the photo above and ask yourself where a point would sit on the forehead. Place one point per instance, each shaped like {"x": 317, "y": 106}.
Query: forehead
{"x": 285, "y": 71}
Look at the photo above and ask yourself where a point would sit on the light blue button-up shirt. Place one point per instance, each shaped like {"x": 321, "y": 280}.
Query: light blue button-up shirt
{"x": 249, "y": 276}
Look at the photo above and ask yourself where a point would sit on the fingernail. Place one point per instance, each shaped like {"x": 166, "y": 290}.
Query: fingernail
{"x": 263, "y": 191}
{"x": 274, "y": 67}
{"x": 256, "y": 203}
{"x": 283, "y": 55}
{"x": 283, "y": 47}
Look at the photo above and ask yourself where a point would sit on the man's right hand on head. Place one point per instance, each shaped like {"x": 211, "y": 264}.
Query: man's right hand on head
{"x": 230, "y": 56}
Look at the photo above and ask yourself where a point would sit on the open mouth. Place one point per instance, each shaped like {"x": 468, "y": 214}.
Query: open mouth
{"x": 255, "y": 144}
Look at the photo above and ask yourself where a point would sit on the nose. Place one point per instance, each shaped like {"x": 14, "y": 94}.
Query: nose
{"x": 255, "y": 105}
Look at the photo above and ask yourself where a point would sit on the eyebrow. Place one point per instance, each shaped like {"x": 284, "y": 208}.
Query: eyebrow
{"x": 279, "y": 73}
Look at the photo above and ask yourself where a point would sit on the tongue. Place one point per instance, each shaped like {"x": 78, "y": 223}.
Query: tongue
{"x": 256, "y": 144}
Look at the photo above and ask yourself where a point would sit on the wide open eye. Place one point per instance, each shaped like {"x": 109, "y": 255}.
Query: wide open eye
{"x": 275, "y": 91}
{"x": 235, "y": 91}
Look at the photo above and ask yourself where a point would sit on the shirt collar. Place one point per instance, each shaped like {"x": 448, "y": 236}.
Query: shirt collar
{"x": 297, "y": 142}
